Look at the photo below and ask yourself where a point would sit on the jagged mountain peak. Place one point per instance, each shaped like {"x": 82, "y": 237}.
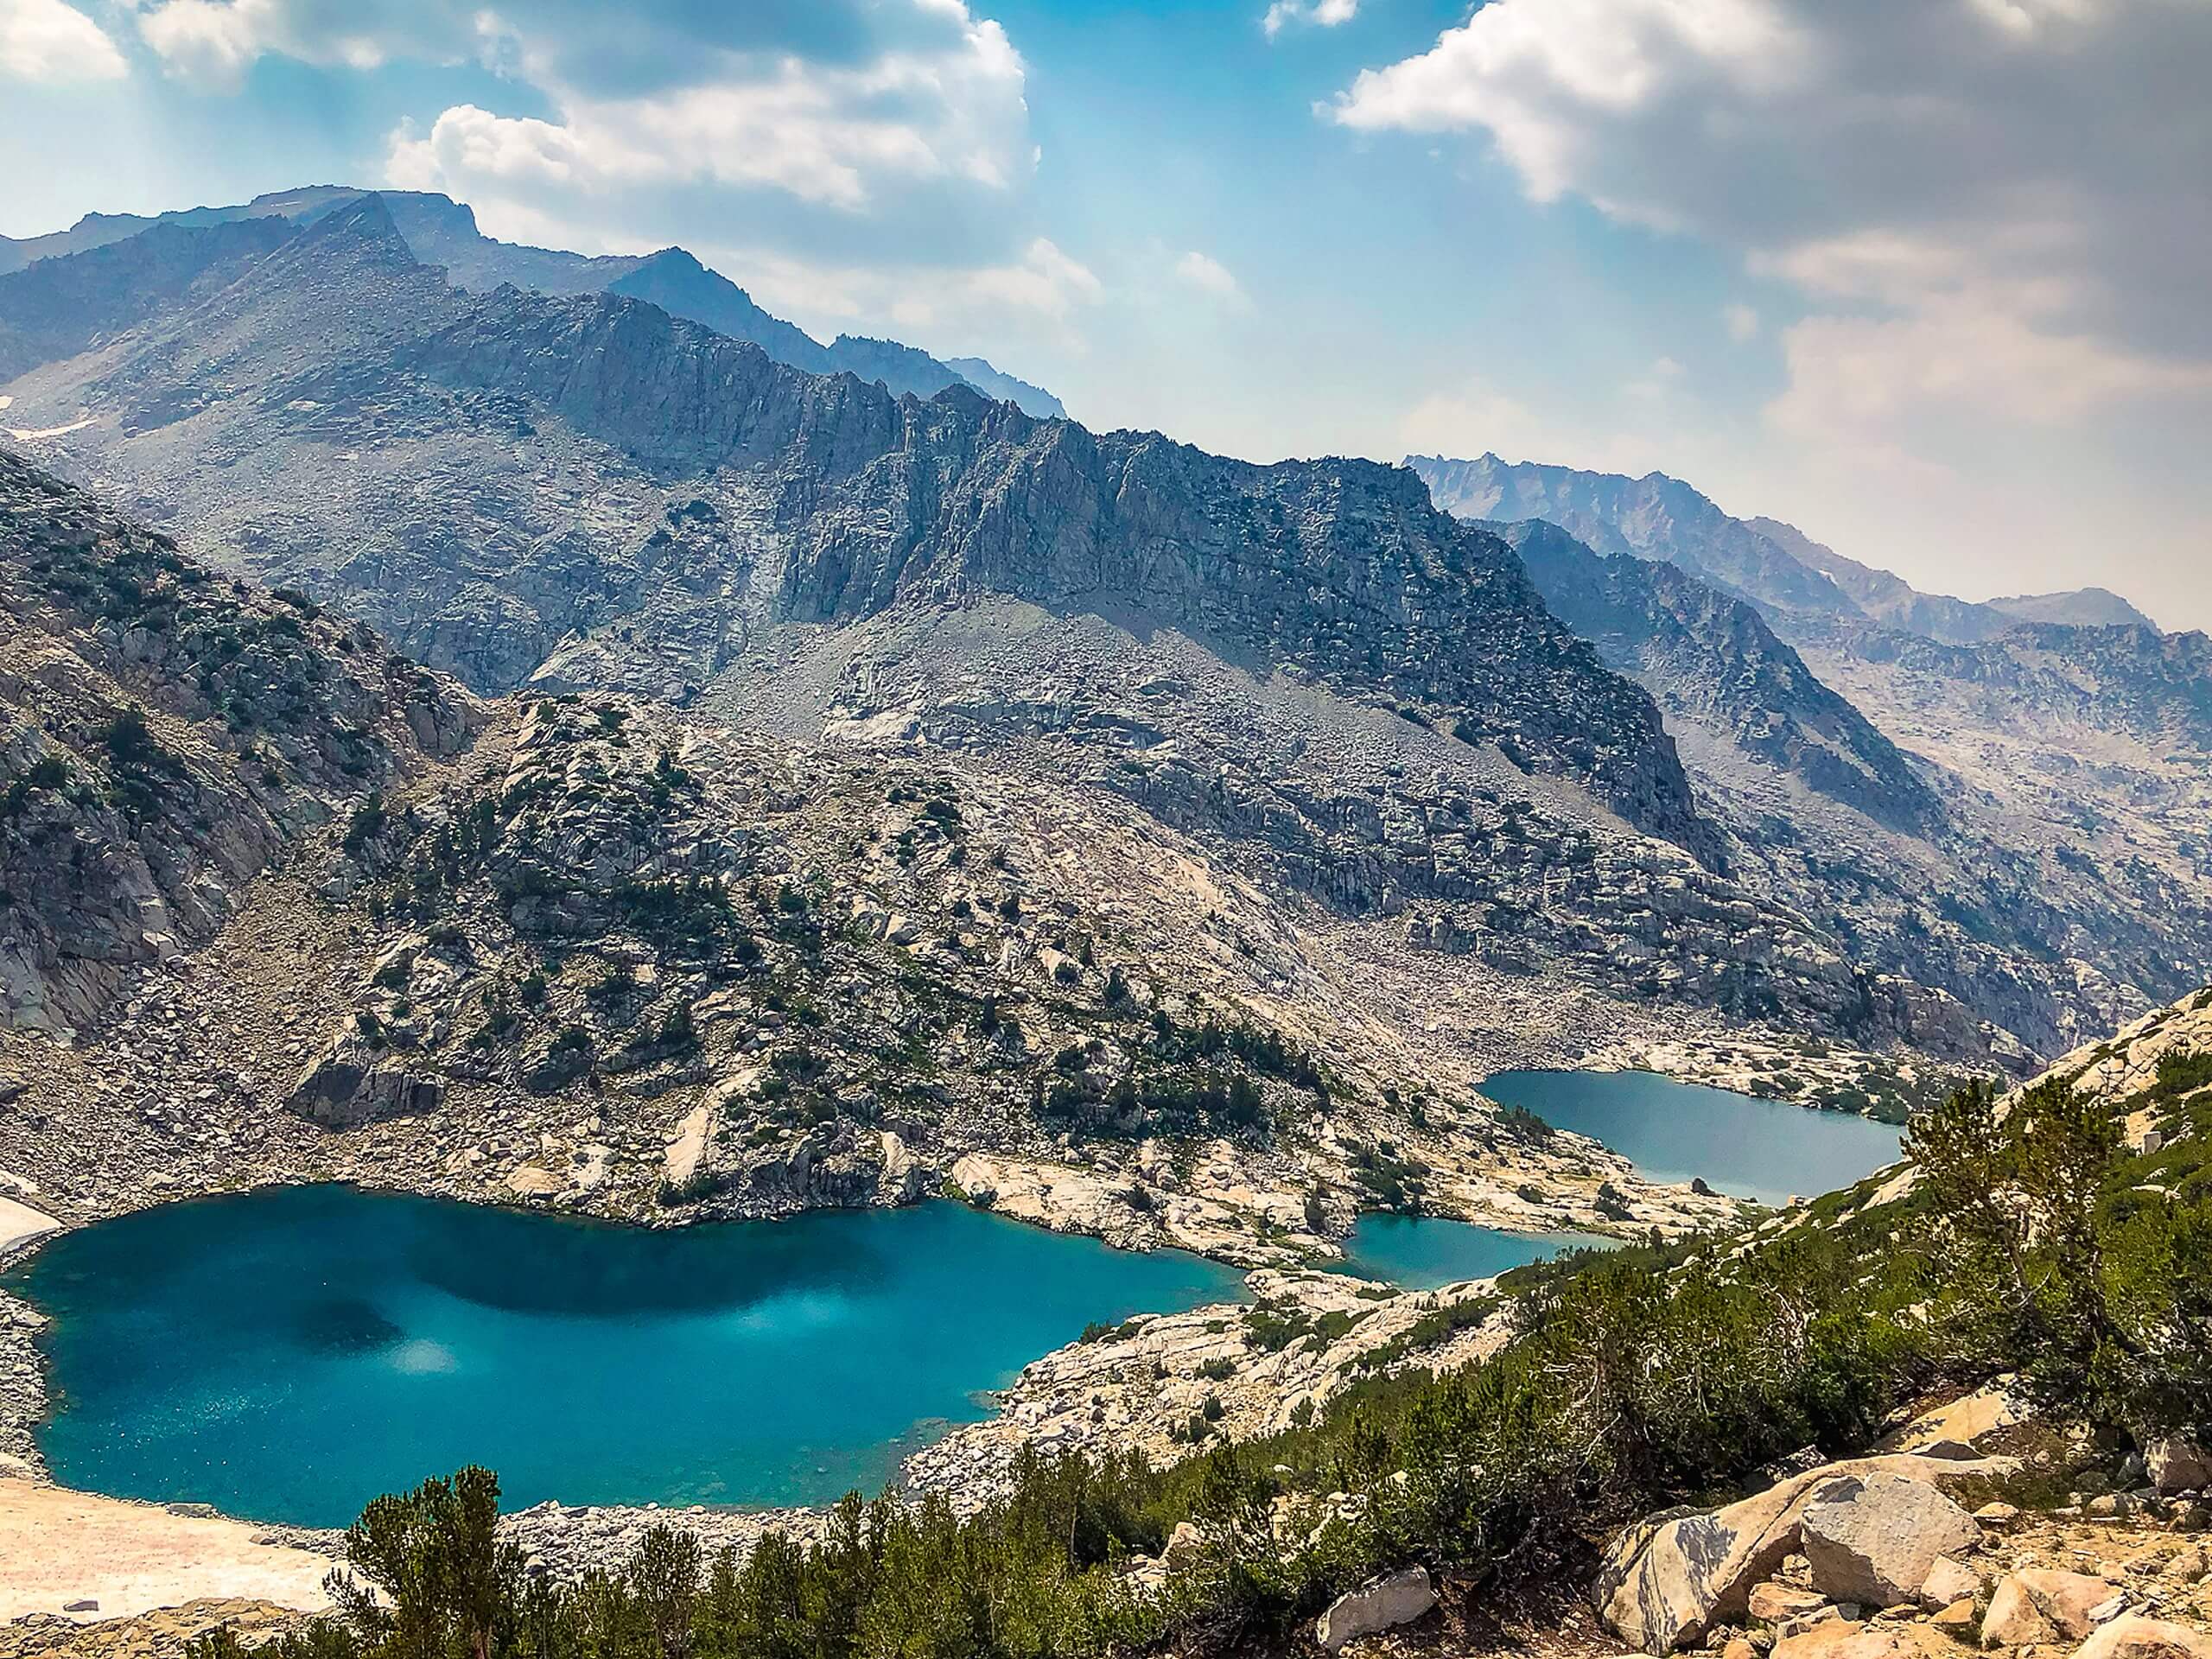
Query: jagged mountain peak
{"x": 443, "y": 233}
{"x": 1007, "y": 388}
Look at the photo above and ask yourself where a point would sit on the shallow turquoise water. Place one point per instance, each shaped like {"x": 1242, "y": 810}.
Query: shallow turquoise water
{"x": 286, "y": 1355}
{"x": 1673, "y": 1131}
{"x": 1422, "y": 1252}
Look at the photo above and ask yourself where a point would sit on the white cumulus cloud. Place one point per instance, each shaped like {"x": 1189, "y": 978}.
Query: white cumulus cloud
{"x": 1998, "y": 203}
{"x": 1209, "y": 276}
{"x": 1320, "y": 14}
{"x": 833, "y": 103}
{"x": 47, "y": 42}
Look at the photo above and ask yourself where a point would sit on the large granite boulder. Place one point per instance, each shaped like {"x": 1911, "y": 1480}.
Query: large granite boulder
{"x": 349, "y": 1084}
{"x": 1667, "y": 1580}
{"x": 2039, "y": 1605}
{"x": 1398, "y": 1598}
{"x": 2177, "y": 1465}
{"x": 1873, "y": 1538}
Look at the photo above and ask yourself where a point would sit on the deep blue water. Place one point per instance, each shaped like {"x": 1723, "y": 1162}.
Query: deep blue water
{"x": 1673, "y": 1131}
{"x": 1422, "y": 1252}
{"x": 288, "y": 1354}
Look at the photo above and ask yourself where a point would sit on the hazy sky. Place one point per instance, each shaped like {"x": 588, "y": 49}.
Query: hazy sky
{"x": 1928, "y": 278}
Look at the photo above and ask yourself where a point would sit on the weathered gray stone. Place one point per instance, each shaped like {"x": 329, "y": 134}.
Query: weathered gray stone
{"x": 1667, "y": 1581}
{"x": 1873, "y": 1538}
{"x": 1398, "y": 1598}
{"x": 347, "y": 1085}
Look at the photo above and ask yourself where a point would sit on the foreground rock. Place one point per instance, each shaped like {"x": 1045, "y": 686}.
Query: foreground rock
{"x": 164, "y": 1633}
{"x": 2137, "y": 1637}
{"x": 1398, "y": 1599}
{"x": 1875, "y": 1540}
{"x": 2179, "y": 1466}
{"x": 1667, "y": 1581}
{"x": 2037, "y": 1605}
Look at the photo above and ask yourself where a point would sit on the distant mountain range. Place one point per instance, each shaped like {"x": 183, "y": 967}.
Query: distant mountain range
{"x": 2034, "y": 773}
{"x": 1770, "y": 564}
{"x": 442, "y": 232}
{"x": 1480, "y": 756}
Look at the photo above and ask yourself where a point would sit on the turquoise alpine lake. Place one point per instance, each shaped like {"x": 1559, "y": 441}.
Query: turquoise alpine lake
{"x": 288, "y": 1354}
{"x": 1763, "y": 1149}
{"x": 1422, "y": 1252}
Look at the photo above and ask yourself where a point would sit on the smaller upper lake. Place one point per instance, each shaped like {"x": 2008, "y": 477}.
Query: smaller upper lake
{"x": 1673, "y": 1131}
{"x": 1422, "y": 1252}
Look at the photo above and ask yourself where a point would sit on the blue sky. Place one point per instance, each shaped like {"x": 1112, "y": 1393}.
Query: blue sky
{"x": 1925, "y": 277}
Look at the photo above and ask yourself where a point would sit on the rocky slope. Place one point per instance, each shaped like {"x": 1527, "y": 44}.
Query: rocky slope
{"x": 57, "y": 308}
{"x": 167, "y": 737}
{"x": 292, "y": 908}
{"x": 2055, "y": 888}
{"x": 1713, "y": 662}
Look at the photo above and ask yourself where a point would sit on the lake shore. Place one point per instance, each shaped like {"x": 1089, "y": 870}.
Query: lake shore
{"x": 76, "y": 1554}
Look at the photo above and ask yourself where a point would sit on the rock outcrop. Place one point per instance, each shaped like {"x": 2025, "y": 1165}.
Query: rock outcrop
{"x": 167, "y": 735}
{"x": 1873, "y": 1540}
{"x": 1667, "y": 1582}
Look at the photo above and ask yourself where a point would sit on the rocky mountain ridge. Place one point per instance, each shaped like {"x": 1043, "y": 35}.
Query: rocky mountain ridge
{"x": 1944, "y": 889}
{"x": 441, "y": 232}
{"x": 1772, "y": 564}
{"x": 1893, "y": 601}
{"x": 584, "y": 494}
{"x": 1713, "y": 660}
